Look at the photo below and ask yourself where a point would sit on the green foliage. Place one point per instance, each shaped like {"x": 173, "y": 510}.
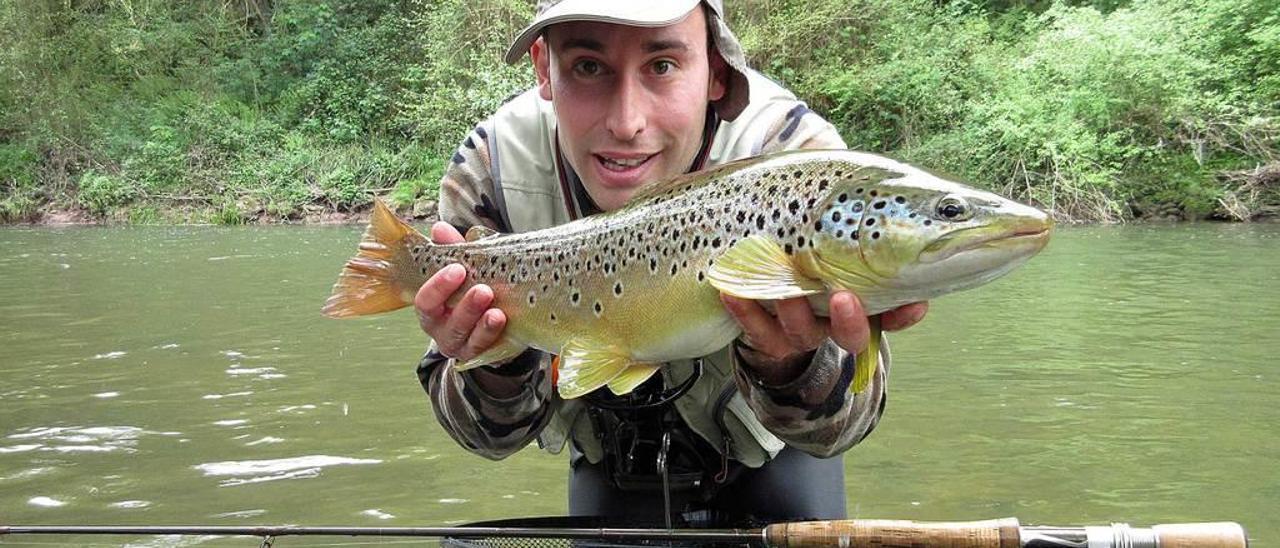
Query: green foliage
{"x": 102, "y": 193}
{"x": 276, "y": 110}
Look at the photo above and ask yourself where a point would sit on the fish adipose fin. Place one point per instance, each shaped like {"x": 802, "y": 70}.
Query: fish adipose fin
{"x": 758, "y": 268}
{"x": 866, "y": 362}
{"x": 373, "y": 281}
{"x": 501, "y": 351}
{"x": 632, "y": 377}
{"x": 586, "y": 366}
{"x": 480, "y": 232}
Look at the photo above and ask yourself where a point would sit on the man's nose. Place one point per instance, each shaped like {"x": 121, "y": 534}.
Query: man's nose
{"x": 626, "y": 118}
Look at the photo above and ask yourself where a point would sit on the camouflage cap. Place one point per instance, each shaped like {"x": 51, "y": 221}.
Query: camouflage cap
{"x": 650, "y": 13}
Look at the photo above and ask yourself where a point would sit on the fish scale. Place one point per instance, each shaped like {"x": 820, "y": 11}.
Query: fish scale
{"x": 619, "y": 293}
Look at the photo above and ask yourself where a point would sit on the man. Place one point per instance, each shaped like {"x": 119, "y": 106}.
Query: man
{"x": 629, "y": 93}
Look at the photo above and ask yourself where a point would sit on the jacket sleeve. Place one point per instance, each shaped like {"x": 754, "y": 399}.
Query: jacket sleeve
{"x": 481, "y": 423}
{"x": 815, "y": 413}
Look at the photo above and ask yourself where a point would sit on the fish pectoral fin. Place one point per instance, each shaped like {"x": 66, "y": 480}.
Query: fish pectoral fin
{"x": 480, "y": 232}
{"x": 586, "y": 366}
{"x": 758, "y": 268}
{"x": 866, "y": 362}
{"x": 501, "y": 351}
{"x": 632, "y": 377}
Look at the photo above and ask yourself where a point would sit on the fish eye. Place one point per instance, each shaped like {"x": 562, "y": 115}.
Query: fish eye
{"x": 954, "y": 208}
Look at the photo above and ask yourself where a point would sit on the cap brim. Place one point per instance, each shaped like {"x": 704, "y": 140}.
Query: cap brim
{"x": 651, "y": 13}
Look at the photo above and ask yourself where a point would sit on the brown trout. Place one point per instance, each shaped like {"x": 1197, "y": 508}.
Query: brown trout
{"x": 616, "y": 295}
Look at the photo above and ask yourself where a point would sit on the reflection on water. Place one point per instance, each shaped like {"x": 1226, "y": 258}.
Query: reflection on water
{"x": 185, "y": 375}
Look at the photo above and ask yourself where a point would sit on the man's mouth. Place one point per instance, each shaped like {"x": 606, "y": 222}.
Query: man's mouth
{"x": 623, "y": 163}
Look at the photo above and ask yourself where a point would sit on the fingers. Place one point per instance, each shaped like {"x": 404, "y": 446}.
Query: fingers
{"x": 451, "y": 337}
{"x": 487, "y": 332}
{"x": 849, "y": 329}
{"x": 795, "y": 330}
{"x": 904, "y": 316}
{"x": 444, "y": 233}
{"x": 802, "y": 329}
{"x": 432, "y": 296}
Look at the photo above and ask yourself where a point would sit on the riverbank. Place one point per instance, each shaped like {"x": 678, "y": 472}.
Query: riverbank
{"x": 301, "y": 112}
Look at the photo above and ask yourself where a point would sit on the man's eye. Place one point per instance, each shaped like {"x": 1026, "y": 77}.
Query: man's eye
{"x": 587, "y": 68}
{"x": 663, "y": 67}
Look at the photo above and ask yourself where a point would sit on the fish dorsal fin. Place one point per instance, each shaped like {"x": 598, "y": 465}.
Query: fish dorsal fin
{"x": 587, "y": 365}
{"x": 480, "y": 232}
{"x": 632, "y": 377}
{"x": 757, "y": 268}
{"x": 687, "y": 181}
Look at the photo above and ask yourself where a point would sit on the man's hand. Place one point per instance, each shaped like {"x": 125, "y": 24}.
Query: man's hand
{"x": 469, "y": 327}
{"x": 778, "y": 344}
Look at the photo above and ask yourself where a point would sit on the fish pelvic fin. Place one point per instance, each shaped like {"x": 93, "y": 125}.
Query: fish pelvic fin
{"x": 382, "y": 277}
{"x": 500, "y": 352}
{"x": 866, "y": 362}
{"x": 758, "y": 268}
{"x": 586, "y": 366}
{"x": 631, "y": 377}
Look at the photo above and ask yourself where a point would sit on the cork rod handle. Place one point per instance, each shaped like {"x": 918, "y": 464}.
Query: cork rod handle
{"x": 1201, "y": 535}
{"x": 998, "y": 533}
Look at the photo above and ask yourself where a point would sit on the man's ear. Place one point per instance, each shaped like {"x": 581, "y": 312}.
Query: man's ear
{"x": 541, "y": 55}
{"x": 719, "y": 76}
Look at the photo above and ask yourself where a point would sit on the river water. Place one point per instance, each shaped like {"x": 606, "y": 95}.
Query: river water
{"x": 184, "y": 375}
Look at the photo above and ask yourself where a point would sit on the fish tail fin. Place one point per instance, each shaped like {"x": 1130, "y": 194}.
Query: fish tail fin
{"x": 866, "y": 362}
{"x": 383, "y": 276}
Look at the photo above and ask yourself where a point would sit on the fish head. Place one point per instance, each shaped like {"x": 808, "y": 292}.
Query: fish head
{"x": 894, "y": 233}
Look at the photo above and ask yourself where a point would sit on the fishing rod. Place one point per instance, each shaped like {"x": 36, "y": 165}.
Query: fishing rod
{"x": 997, "y": 533}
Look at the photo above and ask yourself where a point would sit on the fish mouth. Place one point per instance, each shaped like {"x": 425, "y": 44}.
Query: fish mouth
{"x": 1029, "y": 237}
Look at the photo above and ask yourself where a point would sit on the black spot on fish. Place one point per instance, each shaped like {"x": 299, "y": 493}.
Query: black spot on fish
{"x": 781, "y": 232}
{"x": 531, "y": 299}
{"x": 599, "y": 308}
{"x": 927, "y": 222}
{"x": 839, "y": 233}
{"x": 800, "y": 241}
{"x": 854, "y": 234}
{"x": 842, "y": 198}
{"x": 871, "y": 221}
{"x": 835, "y": 216}
{"x": 899, "y": 199}
{"x": 742, "y": 216}
{"x": 553, "y": 316}
{"x": 653, "y": 265}
{"x": 788, "y": 249}
{"x": 880, "y": 204}
{"x": 849, "y": 221}
{"x": 822, "y": 185}
{"x": 911, "y": 216}
{"x": 798, "y": 174}
{"x": 715, "y": 244}
{"x": 873, "y": 194}
{"x": 424, "y": 270}
{"x": 575, "y": 297}
{"x": 818, "y": 225}
{"x": 674, "y": 266}
{"x": 701, "y": 276}
{"x": 875, "y": 235}
{"x": 617, "y": 289}
{"x": 777, "y": 214}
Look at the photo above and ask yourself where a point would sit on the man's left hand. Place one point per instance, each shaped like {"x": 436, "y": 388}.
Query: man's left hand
{"x": 779, "y": 345}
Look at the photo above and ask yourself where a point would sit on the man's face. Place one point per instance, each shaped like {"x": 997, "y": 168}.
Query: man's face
{"x": 631, "y": 102}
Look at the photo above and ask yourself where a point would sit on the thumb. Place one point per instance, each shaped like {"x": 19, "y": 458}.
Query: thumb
{"x": 444, "y": 233}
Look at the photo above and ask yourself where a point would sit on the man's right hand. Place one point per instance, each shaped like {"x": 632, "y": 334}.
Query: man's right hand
{"x": 469, "y": 327}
